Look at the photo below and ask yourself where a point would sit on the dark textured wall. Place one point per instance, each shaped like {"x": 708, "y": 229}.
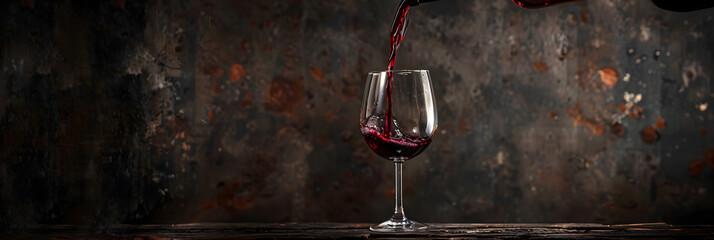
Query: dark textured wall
{"x": 126, "y": 111}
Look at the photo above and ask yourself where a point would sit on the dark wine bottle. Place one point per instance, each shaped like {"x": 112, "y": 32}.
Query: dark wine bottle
{"x": 522, "y": 3}
{"x": 670, "y": 5}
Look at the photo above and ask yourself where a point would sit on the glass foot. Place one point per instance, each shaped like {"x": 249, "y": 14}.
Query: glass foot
{"x": 399, "y": 226}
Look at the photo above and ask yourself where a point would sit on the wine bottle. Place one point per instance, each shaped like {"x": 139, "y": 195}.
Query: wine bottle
{"x": 670, "y": 5}
{"x": 522, "y": 3}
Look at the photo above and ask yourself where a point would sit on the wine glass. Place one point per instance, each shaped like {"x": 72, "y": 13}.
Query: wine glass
{"x": 398, "y": 119}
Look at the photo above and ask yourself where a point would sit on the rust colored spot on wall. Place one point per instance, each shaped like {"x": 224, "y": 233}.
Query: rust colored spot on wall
{"x": 389, "y": 193}
{"x": 245, "y": 47}
{"x": 267, "y": 48}
{"x": 573, "y": 18}
{"x": 213, "y": 71}
{"x": 622, "y": 107}
{"x": 608, "y": 76}
{"x": 329, "y": 116}
{"x": 703, "y": 132}
{"x": 180, "y": 124}
{"x": 284, "y": 95}
{"x": 209, "y": 204}
{"x": 230, "y": 198}
{"x": 584, "y": 17}
{"x": 247, "y": 101}
{"x": 695, "y": 168}
{"x": 115, "y": 3}
{"x": 617, "y": 130}
{"x": 348, "y": 93}
{"x": 211, "y": 116}
{"x": 595, "y": 128}
{"x": 709, "y": 157}
{"x": 283, "y": 131}
{"x": 635, "y": 112}
{"x": 575, "y": 115}
{"x": 578, "y": 119}
{"x": 555, "y": 180}
{"x": 540, "y": 66}
{"x": 659, "y": 124}
{"x": 237, "y": 72}
{"x": 317, "y": 74}
{"x": 217, "y": 89}
{"x": 553, "y": 115}
{"x": 464, "y": 124}
{"x": 650, "y": 135}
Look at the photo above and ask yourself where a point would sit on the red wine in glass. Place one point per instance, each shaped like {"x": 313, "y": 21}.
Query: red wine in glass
{"x": 390, "y": 148}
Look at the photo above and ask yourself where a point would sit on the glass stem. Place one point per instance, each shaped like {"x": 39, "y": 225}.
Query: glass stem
{"x": 398, "y": 209}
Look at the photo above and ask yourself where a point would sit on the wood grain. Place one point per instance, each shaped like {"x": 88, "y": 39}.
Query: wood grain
{"x": 360, "y": 230}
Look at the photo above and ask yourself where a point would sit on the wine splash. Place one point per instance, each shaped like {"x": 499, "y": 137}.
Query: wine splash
{"x": 394, "y": 149}
{"x": 396, "y": 35}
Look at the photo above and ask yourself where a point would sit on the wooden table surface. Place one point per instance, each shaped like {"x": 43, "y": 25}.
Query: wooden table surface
{"x": 360, "y": 230}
